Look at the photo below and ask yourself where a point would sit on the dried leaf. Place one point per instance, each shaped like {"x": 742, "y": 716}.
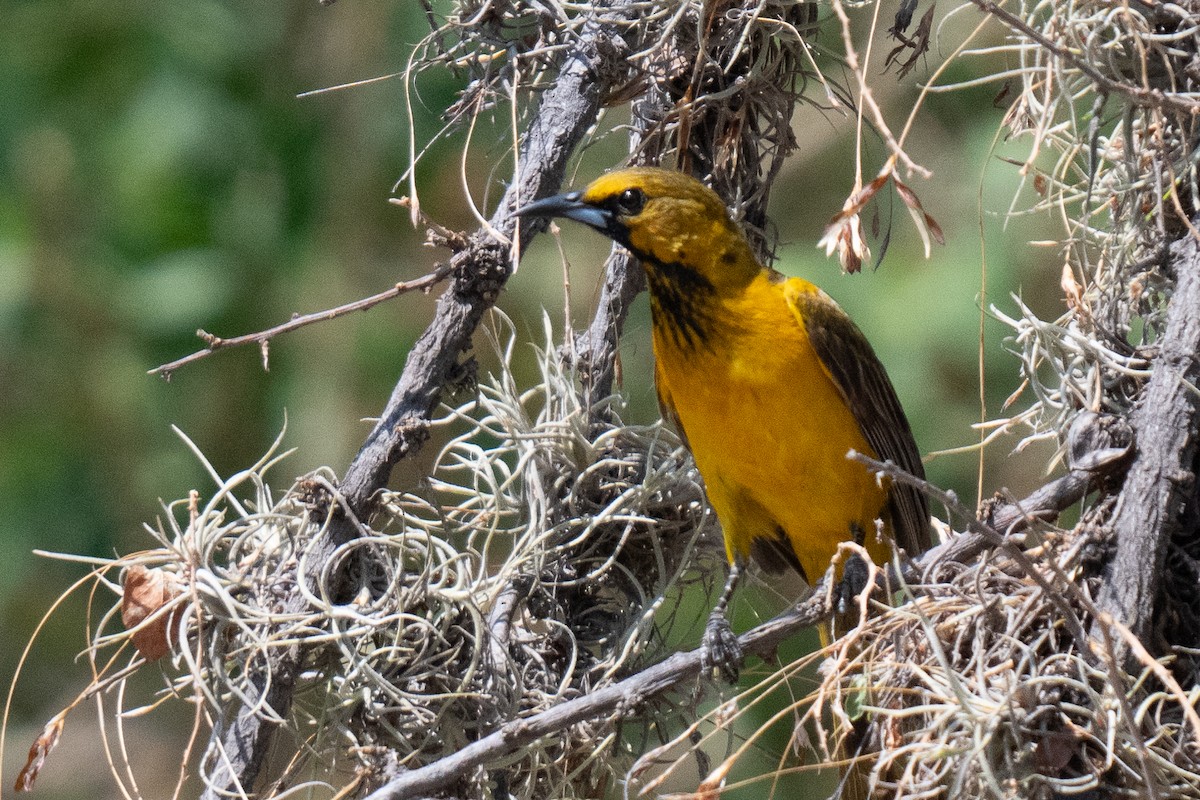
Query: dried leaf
{"x": 926, "y": 225}
{"x": 935, "y": 230}
{"x": 845, "y": 235}
{"x": 999, "y": 100}
{"x": 147, "y": 591}
{"x": 38, "y": 751}
{"x": 710, "y": 787}
{"x": 919, "y": 43}
{"x": 1071, "y": 289}
{"x": 868, "y": 192}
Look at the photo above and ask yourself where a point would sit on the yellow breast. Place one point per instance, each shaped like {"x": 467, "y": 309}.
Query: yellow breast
{"x": 769, "y": 429}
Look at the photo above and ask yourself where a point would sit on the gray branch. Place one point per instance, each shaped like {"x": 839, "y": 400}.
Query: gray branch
{"x": 479, "y": 272}
{"x": 618, "y": 700}
{"x": 1151, "y": 504}
{"x": 596, "y": 347}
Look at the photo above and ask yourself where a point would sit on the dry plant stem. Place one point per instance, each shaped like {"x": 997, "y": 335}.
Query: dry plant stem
{"x": 1044, "y": 504}
{"x": 1161, "y": 478}
{"x": 1136, "y": 95}
{"x": 867, "y": 99}
{"x": 261, "y": 338}
{"x": 477, "y": 274}
{"x": 614, "y": 701}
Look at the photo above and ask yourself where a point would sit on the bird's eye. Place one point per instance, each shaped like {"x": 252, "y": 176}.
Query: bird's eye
{"x": 631, "y": 201}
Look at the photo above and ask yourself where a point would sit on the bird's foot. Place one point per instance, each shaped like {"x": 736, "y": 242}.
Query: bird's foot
{"x": 854, "y": 579}
{"x": 722, "y": 652}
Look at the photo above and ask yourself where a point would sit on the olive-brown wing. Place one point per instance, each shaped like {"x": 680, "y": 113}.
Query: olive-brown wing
{"x": 869, "y": 395}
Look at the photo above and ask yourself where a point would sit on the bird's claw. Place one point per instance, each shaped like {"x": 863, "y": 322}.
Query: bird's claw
{"x": 722, "y": 652}
{"x": 854, "y": 579}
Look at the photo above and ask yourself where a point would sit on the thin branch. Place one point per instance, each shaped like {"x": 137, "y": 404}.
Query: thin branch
{"x": 990, "y": 536}
{"x": 616, "y": 701}
{"x": 261, "y": 338}
{"x": 1138, "y": 96}
{"x": 867, "y": 99}
{"x": 1044, "y": 504}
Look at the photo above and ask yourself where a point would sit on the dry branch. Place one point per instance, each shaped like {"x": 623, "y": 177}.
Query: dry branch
{"x": 478, "y": 274}
{"x": 596, "y": 348}
{"x": 264, "y": 337}
{"x": 1161, "y": 482}
{"x": 614, "y": 701}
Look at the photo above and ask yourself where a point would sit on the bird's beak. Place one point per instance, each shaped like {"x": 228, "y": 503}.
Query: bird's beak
{"x": 569, "y": 206}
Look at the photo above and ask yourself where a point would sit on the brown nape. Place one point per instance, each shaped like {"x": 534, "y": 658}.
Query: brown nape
{"x": 775, "y": 554}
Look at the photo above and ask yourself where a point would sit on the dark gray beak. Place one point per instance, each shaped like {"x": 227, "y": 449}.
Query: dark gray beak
{"x": 570, "y": 206}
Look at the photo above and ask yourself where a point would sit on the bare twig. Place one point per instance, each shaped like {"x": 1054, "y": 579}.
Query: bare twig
{"x": 990, "y": 536}
{"x": 1136, "y": 95}
{"x": 1045, "y": 504}
{"x": 1098, "y": 451}
{"x": 261, "y": 338}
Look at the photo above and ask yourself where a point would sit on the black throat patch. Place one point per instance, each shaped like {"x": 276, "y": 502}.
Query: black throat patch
{"x": 681, "y": 300}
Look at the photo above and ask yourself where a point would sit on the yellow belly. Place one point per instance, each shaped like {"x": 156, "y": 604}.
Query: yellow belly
{"x": 770, "y": 431}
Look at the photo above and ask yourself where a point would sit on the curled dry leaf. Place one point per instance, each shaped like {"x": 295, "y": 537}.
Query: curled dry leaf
{"x": 41, "y": 747}
{"x": 1072, "y": 291}
{"x": 926, "y": 225}
{"x": 147, "y": 591}
{"x": 845, "y": 235}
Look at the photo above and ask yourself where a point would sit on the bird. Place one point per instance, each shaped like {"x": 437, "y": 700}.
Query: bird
{"x": 769, "y": 382}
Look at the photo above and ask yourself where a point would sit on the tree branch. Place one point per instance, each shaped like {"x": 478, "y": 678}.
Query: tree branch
{"x": 596, "y": 348}
{"x": 1152, "y": 500}
{"x": 477, "y": 275}
{"x": 616, "y": 701}
{"x": 262, "y": 338}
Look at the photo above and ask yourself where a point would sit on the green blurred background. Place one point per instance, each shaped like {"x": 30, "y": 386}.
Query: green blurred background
{"x": 159, "y": 175}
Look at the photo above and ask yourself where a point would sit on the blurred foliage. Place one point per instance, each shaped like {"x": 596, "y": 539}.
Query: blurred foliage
{"x": 159, "y": 175}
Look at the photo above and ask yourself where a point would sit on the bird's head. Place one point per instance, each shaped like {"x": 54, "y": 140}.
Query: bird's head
{"x": 663, "y": 217}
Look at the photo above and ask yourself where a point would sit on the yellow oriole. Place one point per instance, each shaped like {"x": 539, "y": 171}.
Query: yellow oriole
{"x": 769, "y": 381}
